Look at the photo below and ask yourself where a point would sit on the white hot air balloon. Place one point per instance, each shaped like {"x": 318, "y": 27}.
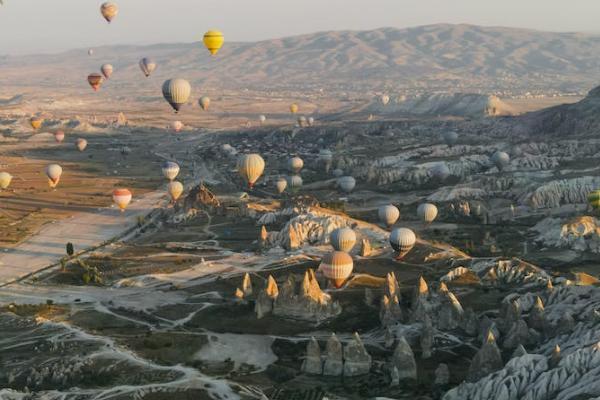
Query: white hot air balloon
{"x": 402, "y": 241}
{"x": 176, "y": 126}
{"x": 281, "y": 185}
{"x": 450, "y": 138}
{"x": 337, "y": 266}
{"x": 388, "y": 215}
{"x": 343, "y": 239}
{"x": 346, "y": 183}
{"x": 262, "y": 119}
{"x": 440, "y": 171}
{"x": 170, "y": 170}
{"x": 294, "y": 182}
{"x": 122, "y": 198}
{"x": 427, "y": 212}
{"x": 385, "y": 99}
{"x": 176, "y": 92}
{"x": 310, "y": 121}
{"x": 175, "y": 189}
{"x": 53, "y": 172}
{"x": 250, "y": 168}
{"x": 302, "y": 122}
{"x": 501, "y": 160}
{"x": 107, "y": 70}
{"x": 295, "y": 164}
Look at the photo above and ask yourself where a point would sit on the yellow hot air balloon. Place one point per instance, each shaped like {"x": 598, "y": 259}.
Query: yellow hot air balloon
{"x": 594, "y": 199}
{"x": 36, "y": 122}
{"x": 53, "y": 172}
{"x": 109, "y": 10}
{"x": 294, "y": 108}
{"x": 251, "y": 167}
{"x": 5, "y": 179}
{"x": 176, "y": 92}
{"x": 175, "y": 189}
{"x": 213, "y": 40}
{"x": 122, "y": 198}
{"x": 204, "y": 102}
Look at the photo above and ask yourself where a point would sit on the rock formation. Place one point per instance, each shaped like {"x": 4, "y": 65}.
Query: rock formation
{"x": 356, "y": 359}
{"x": 487, "y": 360}
{"x": 313, "y": 364}
{"x": 442, "y": 375}
{"x": 404, "y": 360}
{"x": 334, "y": 359}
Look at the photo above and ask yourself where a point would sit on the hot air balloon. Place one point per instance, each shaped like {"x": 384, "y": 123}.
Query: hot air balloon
{"x": 385, "y": 99}
{"x": 90, "y": 52}
{"x": 175, "y": 190}
{"x": 5, "y": 179}
{"x": 122, "y": 198}
{"x": 281, "y": 185}
{"x": 177, "y": 126}
{"x": 106, "y": 70}
{"x": 343, "y": 239}
{"x": 95, "y": 80}
{"x": 147, "y": 66}
{"x": 500, "y": 159}
{"x": 213, "y": 40}
{"x": 440, "y": 171}
{"x": 294, "y": 108}
{"x": 294, "y": 182}
{"x": 402, "y": 240}
{"x": 295, "y": 164}
{"x": 170, "y": 170}
{"x": 251, "y": 167}
{"x": 109, "y": 10}
{"x": 302, "y": 121}
{"x": 427, "y": 212}
{"x": 81, "y": 144}
{"x": 310, "y": 121}
{"x": 450, "y": 138}
{"x": 326, "y": 158}
{"x": 346, "y": 183}
{"x": 262, "y": 119}
{"x": 36, "y": 122}
{"x": 59, "y": 136}
{"x": 53, "y": 172}
{"x": 176, "y": 92}
{"x": 337, "y": 266}
{"x": 594, "y": 199}
{"x": 338, "y": 173}
{"x": 204, "y": 102}
{"x": 388, "y": 214}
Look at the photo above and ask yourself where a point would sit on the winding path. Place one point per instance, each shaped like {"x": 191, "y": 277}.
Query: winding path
{"x": 85, "y": 230}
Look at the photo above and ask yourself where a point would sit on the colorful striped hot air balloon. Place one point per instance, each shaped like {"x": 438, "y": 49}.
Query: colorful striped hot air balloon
{"x": 388, "y": 214}
{"x": 147, "y": 66}
{"x": 427, "y": 212}
{"x": 53, "y": 172}
{"x": 250, "y": 168}
{"x": 5, "y": 179}
{"x": 337, "y": 266}
{"x": 170, "y": 170}
{"x": 122, "y": 198}
{"x": 109, "y": 11}
{"x": 176, "y": 92}
{"x": 175, "y": 189}
{"x": 594, "y": 199}
{"x": 213, "y": 40}
{"x": 402, "y": 240}
{"x": 343, "y": 239}
{"x": 95, "y": 80}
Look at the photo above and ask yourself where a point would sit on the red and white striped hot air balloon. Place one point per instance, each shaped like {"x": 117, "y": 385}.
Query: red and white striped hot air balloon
{"x": 337, "y": 266}
{"x": 122, "y": 198}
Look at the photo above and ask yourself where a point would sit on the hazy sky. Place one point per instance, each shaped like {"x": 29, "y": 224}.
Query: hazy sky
{"x": 29, "y": 26}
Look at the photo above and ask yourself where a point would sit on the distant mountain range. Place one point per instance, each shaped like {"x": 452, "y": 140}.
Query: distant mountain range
{"x": 461, "y": 58}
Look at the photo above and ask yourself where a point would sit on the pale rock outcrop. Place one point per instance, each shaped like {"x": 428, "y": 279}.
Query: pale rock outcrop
{"x": 579, "y": 234}
{"x": 427, "y": 338}
{"x": 442, "y": 375}
{"x": 266, "y": 298}
{"x": 334, "y": 359}
{"x": 313, "y": 363}
{"x": 564, "y": 191}
{"x": 356, "y": 359}
{"x": 390, "y": 312}
{"x": 365, "y": 248}
{"x": 404, "y": 360}
{"x": 487, "y": 360}
{"x": 537, "y": 316}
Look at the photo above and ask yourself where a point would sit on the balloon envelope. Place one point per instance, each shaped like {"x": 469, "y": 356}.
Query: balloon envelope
{"x": 147, "y": 66}
{"x": 500, "y": 159}
{"x": 107, "y": 70}
{"x": 81, "y": 144}
{"x": 95, "y": 80}
{"x": 281, "y": 185}
{"x": 346, "y": 183}
{"x": 204, "y": 102}
{"x": 385, "y": 99}
{"x": 122, "y": 198}
{"x": 427, "y": 212}
{"x": 450, "y": 138}
{"x": 388, "y": 214}
{"x": 337, "y": 266}
{"x": 251, "y": 167}
{"x": 295, "y": 164}
{"x": 176, "y": 126}
{"x": 109, "y": 11}
{"x": 59, "y": 136}
{"x": 262, "y": 119}
{"x": 176, "y": 92}
{"x": 175, "y": 190}
{"x": 343, "y": 239}
{"x": 5, "y": 179}
{"x": 594, "y": 199}
{"x": 294, "y": 108}
{"x": 170, "y": 170}
{"x": 294, "y": 182}
{"x": 402, "y": 240}
{"x": 53, "y": 172}
{"x": 213, "y": 40}
{"x": 36, "y": 122}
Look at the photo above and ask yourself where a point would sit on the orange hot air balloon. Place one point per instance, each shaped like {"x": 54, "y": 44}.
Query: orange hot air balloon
{"x": 175, "y": 189}
{"x": 36, "y": 122}
{"x": 95, "y": 80}
{"x": 122, "y": 198}
{"x": 81, "y": 144}
{"x": 59, "y": 136}
{"x": 337, "y": 267}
